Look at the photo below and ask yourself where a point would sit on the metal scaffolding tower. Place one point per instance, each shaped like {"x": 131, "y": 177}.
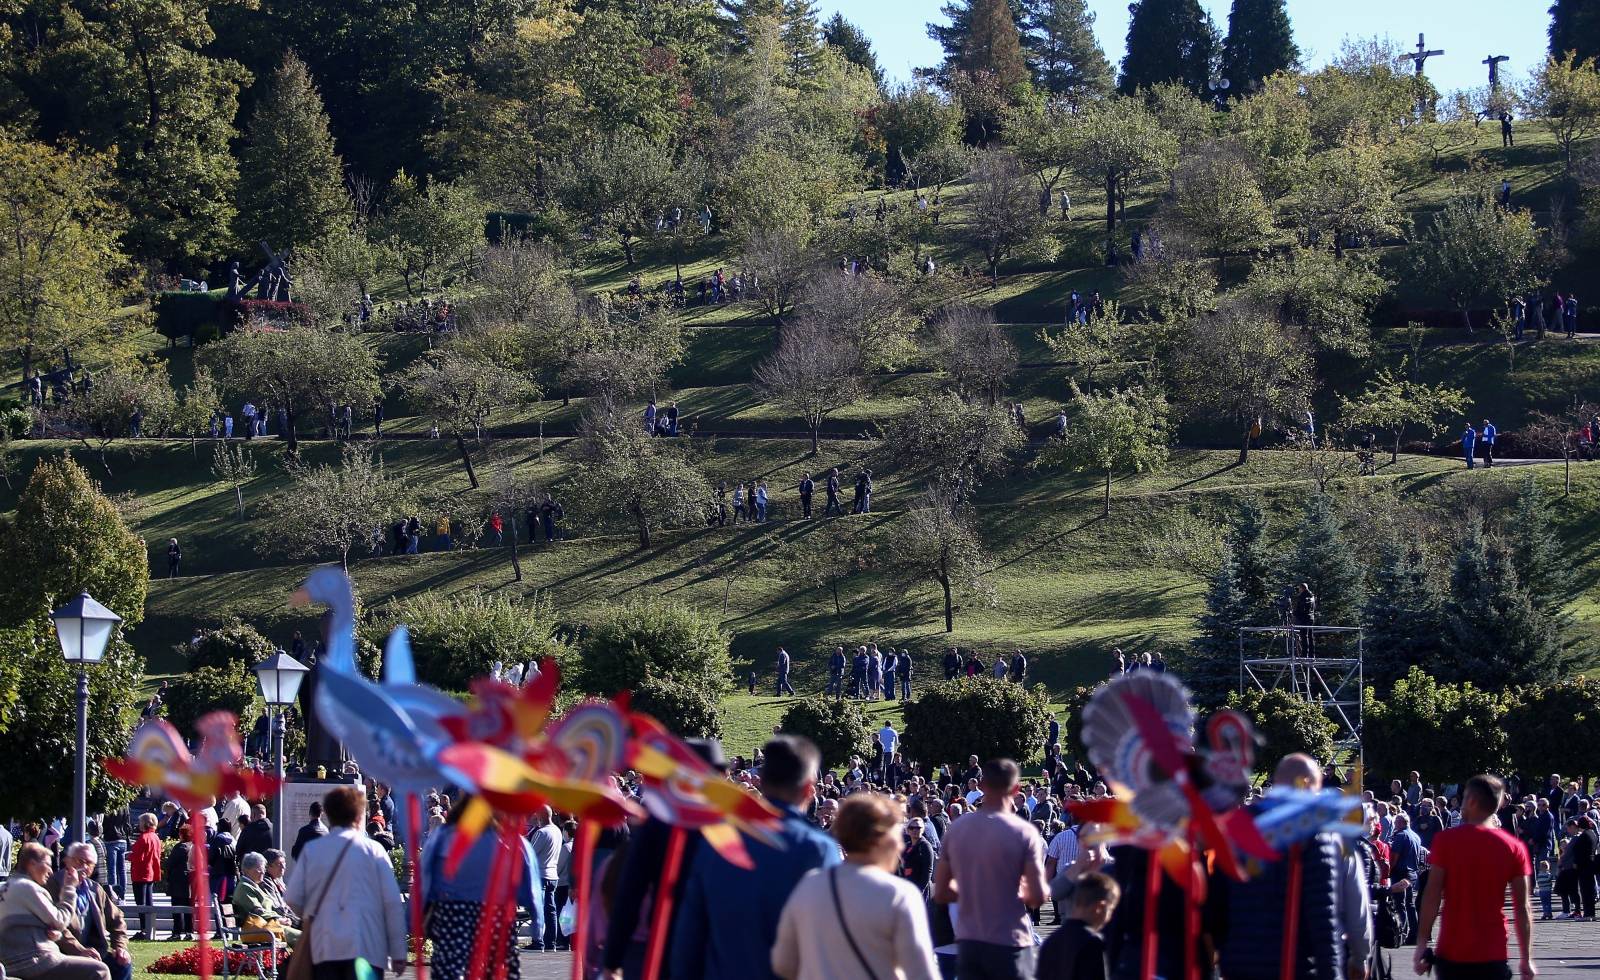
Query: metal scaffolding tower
{"x": 1317, "y": 664}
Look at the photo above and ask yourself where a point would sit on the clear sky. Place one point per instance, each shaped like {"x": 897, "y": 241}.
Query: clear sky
{"x": 1466, "y": 30}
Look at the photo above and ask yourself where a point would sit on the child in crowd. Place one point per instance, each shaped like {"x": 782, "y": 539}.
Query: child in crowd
{"x": 1077, "y": 951}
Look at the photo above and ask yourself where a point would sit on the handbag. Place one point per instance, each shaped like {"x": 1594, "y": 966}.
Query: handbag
{"x": 838, "y": 909}
{"x": 300, "y": 964}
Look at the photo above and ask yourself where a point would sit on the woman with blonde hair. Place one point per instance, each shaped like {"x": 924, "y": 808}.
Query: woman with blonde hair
{"x": 880, "y": 916}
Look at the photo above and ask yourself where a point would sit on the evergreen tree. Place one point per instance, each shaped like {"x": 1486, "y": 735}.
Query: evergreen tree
{"x": 1058, "y": 37}
{"x": 1259, "y": 44}
{"x": 292, "y": 181}
{"x": 797, "y": 29}
{"x": 952, "y": 36}
{"x": 1210, "y": 665}
{"x": 1403, "y": 618}
{"x": 1253, "y": 563}
{"x": 852, "y": 42}
{"x": 1325, "y": 561}
{"x": 993, "y": 46}
{"x": 1575, "y": 26}
{"x": 1168, "y": 41}
{"x": 1493, "y": 636}
{"x": 1536, "y": 552}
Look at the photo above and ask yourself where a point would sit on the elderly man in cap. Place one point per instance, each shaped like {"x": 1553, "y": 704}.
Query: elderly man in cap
{"x": 97, "y": 927}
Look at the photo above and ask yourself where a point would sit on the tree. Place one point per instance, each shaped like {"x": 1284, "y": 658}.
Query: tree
{"x": 685, "y": 709}
{"x": 1058, "y": 36}
{"x": 1325, "y": 560}
{"x": 197, "y": 405}
{"x": 461, "y": 390}
{"x": 66, "y": 537}
{"x": 823, "y": 555}
{"x": 233, "y": 466}
{"x": 779, "y": 259}
{"x": 1004, "y": 212}
{"x": 1216, "y": 203}
{"x": 1240, "y": 365}
{"x": 234, "y": 646}
{"x": 1168, "y": 40}
{"x": 624, "y": 183}
{"x": 837, "y": 727}
{"x": 1450, "y": 732}
{"x": 1286, "y": 724}
{"x": 431, "y": 231}
{"x": 876, "y": 313}
{"x": 1328, "y": 299}
{"x": 61, "y": 270}
{"x": 1123, "y": 429}
{"x": 954, "y": 444}
{"x": 1550, "y": 726}
{"x": 1537, "y": 553}
{"x": 1273, "y": 126}
{"x": 202, "y": 690}
{"x": 1100, "y": 341}
{"x": 616, "y": 354}
{"x": 815, "y": 372}
{"x": 982, "y": 716}
{"x": 1210, "y": 663}
{"x": 1347, "y": 194}
{"x": 1390, "y": 404}
{"x": 1476, "y": 255}
{"x": 974, "y": 351}
{"x": 291, "y": 179}
{"x": 644, "y": 640}
{"x": 1494, "y": 635}
{"x": 300, "y": 370}
{"x": 917, "y": 122}
{"x": 1403, "y": 618}
{"x": 992, "y": 68}
{"x": 1454, "y": 127}
{"x": 1260, "y": 44}
{"x": 1564, "y": 95}
{"x": 1574, "y": 27}
{"x": 1040, "y": 134}
{"x": 938, "y": 540}
{"x": 459, "y": 638}
{"x": 624, "y": 472}
{"x": 331, "y": 509}
{"x": 1118, "y": 142}
{"x": 104, "y": 413}
{"x": 852, "y": 42}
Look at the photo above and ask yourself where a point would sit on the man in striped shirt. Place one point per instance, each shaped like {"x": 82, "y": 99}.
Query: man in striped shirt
{"x": 1059, "y": 855}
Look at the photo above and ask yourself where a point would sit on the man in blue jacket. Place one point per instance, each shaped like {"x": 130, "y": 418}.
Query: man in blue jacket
{"x": 1405, "y": 864}
{"x": 729, "y": 919}
{"x": 1469, "y": 440}
{"x": 1487, "y": 437}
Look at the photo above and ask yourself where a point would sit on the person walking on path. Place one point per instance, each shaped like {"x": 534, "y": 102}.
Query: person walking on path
{"x": 1487, "y": 438}
{"x": 1472, "y": 866}
{"x": 174, "y": 557}
{"x": 1469, "y": 439}
{"x": 836, "y": 672}
{"x": 784, "y": 687}
{"x": 344, "y": 891}
{"x": 993, "y": 866}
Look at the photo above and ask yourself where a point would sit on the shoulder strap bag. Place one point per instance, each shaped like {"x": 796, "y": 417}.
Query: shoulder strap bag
{"x": 838, "y": 910}
{"x": 301, "y": 962}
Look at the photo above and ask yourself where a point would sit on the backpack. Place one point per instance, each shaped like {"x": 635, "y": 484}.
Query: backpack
{"x": 221, "y": 857}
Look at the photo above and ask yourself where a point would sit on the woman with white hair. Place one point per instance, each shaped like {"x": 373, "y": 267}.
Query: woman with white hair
{"x": 255, "y": 908}
{"x": 32, "y": 921}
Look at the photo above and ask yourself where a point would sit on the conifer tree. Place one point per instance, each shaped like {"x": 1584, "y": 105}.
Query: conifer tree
{"x": 1540, "y": 561}
{"x": 1493, "y": 636}
{"x": 852, "y": 42}
{"x": 1403, "y": 618}
{"x": 1210, "y": 665}
{"x": 1575, "y": 26}
{"x": 1253, "y": 562}
{"x": 1168, "y": 41}
{"x": 952, "y": 36}
{"x": 1058, "y": 38}
{"x": 1259, "y": 44}
{"x": 1324, "y": 560}
{"x": 993, "y": 47}
{"x": 291, "y": 187}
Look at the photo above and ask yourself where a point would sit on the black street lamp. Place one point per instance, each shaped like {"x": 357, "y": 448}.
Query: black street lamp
{"x": 279, "y": 677}
{"x": 84, "y": 628}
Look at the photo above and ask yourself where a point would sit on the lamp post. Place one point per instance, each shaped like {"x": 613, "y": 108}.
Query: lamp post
{"x": 279, "y": 677}
{"x": 84, "y": 627}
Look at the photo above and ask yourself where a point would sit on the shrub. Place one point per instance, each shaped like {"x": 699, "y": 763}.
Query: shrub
{"x": 17, "y": 421}
{"x": 653, "y": 639}
{"x": 1286, "y": 724}
{"x": 229, "y": 647}
{"x": 685, "y": 709}
{"x": 186, "y": 962}
{"x": 457, "y": 638}
{"x": 838, "y": 727}
{"x": 1448, "y": 732}
{"x": 1553, "y": 727}
{"x": 206, "y": 689}
{"x": 184, "y": 314}
{"x": 979, "y": 716}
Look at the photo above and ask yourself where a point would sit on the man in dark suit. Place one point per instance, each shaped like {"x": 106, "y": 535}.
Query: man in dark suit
{"x": 97, "y": 925}
{"x": 807, "y": 488}
{"x": 256, "y": 837}
{"x": 310, "y": 832}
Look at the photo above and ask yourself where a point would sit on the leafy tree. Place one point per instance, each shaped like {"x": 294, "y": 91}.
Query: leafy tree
{"x": 980, "y": 716}
{"x": 1403, "y": 617}
{"x": 1537, "y": 553}
{"x": 1273, "y": 125}
{"x": 1454, "y": 127}
{"x": 1241, "y": 366}
{"x": 938, "y": 540}
{"x": 1564, "y": 95}
{"x": 1286, "y": 724}
{"x": 823, "y": 555}
{"x": 1103, "y": 340}
{"x": 196, "y": 406}
{"x": 61, "y": 270}
{"x": 1058, "y": 37}
{"x": 838, "y": 727}
{"x": 1494, "y": 635}
{"x": 1476, "y": 255}
{"x": 815, "y": 372}
{"x": 852, "y": 42}
{"x": 1390, "y": 404}
{"x": 1330, "y": 300}
{"x": 458, "y": 638}
{"x": 974, "y": 351}
{"x": 202, "y": 690}
{"x": 1168, "y": 40}
{"x": 624, "y": 183}
{"x": 430, "y": 231}
{"x": 291, "y": 179}
{"x": 103, "y": 414}
{"x": 330, "y": 509}
{"x": 684, "y": 708}
{"x": 878, "y": 314}
{"x": 1324, "y": 559}
{"x": 1123, "y": 429}
{"x": 624, "y": 472}
{"x": 235, "y": 646}
{"x": 66, "y": 537}
{"x": 646, "y": 640}
{"x": 233, "y": 466}
{"x": 1574, "y": 26}
{"x": 1369, "y": 93}
{"x": 1260, "y": 44}
{"x": 1216, "y": 203}
{"x": 1118, "y": 142}
{"x": 1346, "y": 193}
{"x": 461, "y": 390}
{"x": 299, "y": 370}
{"x": 779, "y": 260}
{"x": 1040, "y": 134}
{"x": 1004, "y": 213}
{"x": 917, "y": 122}
{"x": 333, "y": 274}
{"x": 1188, "y": 117}
{"x": 616, "y": 354}
{"x": 955, "y": 444}
{"x": 1450, "y": 732}
{"x": 1550, "y": 726}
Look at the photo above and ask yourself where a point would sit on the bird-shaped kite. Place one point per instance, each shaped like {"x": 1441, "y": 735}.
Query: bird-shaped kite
{"x": 158, "y": 759}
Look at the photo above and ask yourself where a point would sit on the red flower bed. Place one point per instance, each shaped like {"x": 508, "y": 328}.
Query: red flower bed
{"x": 187, "y": 961}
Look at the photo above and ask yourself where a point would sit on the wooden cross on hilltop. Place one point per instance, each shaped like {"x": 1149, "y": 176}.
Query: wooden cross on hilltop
{"x": 1422, "y": 54}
